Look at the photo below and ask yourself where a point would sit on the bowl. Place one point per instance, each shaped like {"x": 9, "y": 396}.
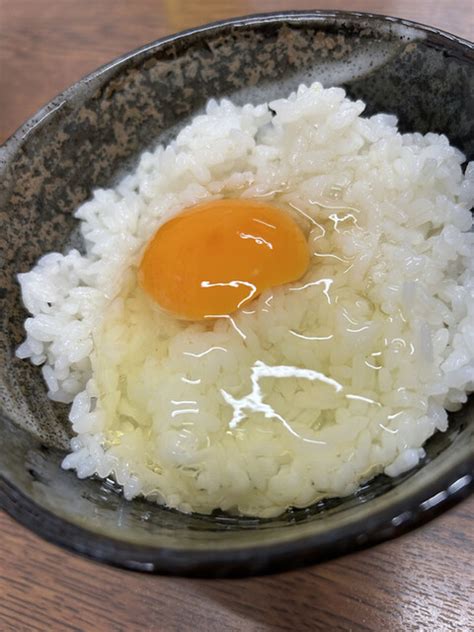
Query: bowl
{"x": 86, "y": 138}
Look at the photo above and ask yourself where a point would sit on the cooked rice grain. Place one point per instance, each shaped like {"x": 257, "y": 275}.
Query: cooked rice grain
{"x": 389, "y": 218}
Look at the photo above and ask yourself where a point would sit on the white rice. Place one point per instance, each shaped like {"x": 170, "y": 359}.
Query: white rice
{"x": 386, "y": 311}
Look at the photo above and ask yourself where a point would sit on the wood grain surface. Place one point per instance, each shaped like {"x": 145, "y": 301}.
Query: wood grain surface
{"x": 421, "y": 582}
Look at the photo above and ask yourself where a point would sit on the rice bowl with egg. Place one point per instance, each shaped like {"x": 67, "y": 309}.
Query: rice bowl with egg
{"x": 316, "y": 385}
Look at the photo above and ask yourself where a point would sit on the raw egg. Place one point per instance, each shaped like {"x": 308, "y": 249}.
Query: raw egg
{"x": 213, "y": 258}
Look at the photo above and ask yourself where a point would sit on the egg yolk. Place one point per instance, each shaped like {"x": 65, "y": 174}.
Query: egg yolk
{"x": 213, "y": 258}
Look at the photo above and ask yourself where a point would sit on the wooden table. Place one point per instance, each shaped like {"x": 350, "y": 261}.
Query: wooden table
{"x": 422, "y": 581}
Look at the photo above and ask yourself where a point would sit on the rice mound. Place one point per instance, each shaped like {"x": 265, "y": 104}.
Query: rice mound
{"x": 316, "y": 386}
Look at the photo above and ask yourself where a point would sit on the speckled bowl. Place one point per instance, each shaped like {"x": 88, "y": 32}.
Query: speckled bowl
{"x": 85, "y": 138}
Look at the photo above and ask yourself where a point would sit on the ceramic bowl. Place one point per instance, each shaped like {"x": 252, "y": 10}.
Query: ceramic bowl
{"x": 86, "y": 138}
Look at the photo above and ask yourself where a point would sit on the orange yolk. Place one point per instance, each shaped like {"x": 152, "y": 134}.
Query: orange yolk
{"x": 215, "y": 257}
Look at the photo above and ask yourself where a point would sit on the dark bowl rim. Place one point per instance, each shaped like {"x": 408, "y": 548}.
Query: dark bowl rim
{"x": 441, "y": 492}
{"x": 455, "y": 42}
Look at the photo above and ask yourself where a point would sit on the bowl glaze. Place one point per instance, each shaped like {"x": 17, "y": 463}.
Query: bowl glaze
{"x": 86, "y": 138}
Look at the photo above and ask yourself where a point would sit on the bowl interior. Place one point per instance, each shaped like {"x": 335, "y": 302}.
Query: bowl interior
{"x": 89, "y": 136}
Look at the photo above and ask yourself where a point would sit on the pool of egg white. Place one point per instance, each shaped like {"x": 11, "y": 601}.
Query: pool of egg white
{"x": 298, "y": 395}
